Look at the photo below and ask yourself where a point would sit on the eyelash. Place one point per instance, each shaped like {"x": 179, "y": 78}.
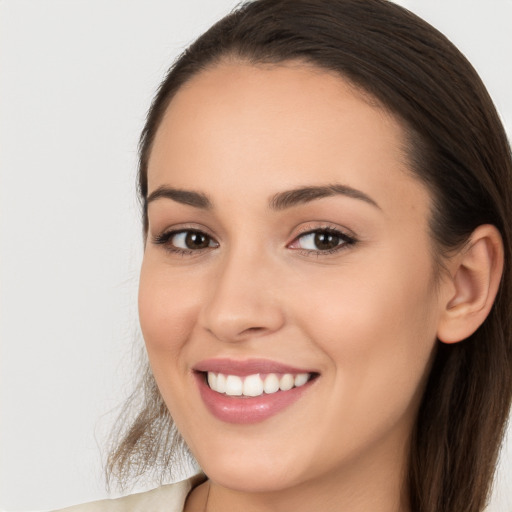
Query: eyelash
{"x": 345, "y": 241}
{"x": 165, "y": 237}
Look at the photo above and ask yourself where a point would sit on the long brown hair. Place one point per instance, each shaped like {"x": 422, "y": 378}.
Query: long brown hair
{"x": 456, "y": 146}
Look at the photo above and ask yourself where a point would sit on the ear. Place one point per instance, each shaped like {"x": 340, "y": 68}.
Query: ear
{"x": 474, "y": 278}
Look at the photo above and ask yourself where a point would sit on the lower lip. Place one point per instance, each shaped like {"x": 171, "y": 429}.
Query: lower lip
{"x": 246, "y": 410}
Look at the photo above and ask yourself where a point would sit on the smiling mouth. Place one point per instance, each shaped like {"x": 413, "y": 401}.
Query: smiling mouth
{"x": 250, "y": 391}
{"x": 255, "y": 385}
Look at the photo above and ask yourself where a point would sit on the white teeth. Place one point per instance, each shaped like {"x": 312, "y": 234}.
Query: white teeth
{"x": 212, "y": 380}
{"x": 234, "y": 385}
{"x": 221, "y": 383}
{"x": 301, "y": 379}
{"x": 255, "y": 385}
{"x": 271, "y": 384}
{"x": 286, "y": 382}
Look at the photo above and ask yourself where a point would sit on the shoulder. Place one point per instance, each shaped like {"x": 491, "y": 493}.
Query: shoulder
{"x": 168, "y": 498}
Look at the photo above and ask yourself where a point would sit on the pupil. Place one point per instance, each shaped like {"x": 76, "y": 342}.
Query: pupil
{"x": 325, "y": 241}
{"x": 196, "y": 241}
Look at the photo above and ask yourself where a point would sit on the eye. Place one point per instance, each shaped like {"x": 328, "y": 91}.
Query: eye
{"x": 191, "y": 240}
{"x": 185, "y": 241}
{"x": 322, "y": 241}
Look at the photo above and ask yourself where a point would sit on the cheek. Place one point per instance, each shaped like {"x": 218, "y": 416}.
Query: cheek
{"x": 168, "y": 304}
{"x": 378, "y": 328}
{"x": 382, "y": 296}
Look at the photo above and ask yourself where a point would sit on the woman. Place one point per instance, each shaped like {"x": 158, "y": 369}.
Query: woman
{"x": 325, "y": 289}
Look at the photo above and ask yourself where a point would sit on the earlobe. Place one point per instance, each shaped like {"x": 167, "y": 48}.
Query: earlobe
{"x": 475, "y": 274}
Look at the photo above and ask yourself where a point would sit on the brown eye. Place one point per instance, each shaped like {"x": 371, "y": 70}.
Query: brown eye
{"x": 185, "y": 241}
{"x": 321, "y": 241}
{"x": 195, "y": 240}
{"x": 325, "y": 240}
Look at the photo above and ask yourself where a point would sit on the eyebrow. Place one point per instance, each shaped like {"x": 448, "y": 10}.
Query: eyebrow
{"x": 189, "y": 197}
{"x": 290, "y": 198}
{"x": 278, "y": 202}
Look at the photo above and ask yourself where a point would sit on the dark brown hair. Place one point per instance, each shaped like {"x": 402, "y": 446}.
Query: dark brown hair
{"x": 456, "y": 146}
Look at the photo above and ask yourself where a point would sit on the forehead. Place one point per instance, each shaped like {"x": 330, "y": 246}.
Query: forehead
{"x": 252, "y": 130}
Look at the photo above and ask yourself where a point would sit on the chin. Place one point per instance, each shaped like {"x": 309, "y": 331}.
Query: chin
{"x": 245, "y": 466}
{"x": 264, "y": 477}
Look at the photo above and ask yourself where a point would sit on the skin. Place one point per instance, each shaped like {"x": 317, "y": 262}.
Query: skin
{"x": 364, "y": 317}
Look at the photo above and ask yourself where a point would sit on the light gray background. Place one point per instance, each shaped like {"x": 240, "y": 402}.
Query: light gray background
{"x": 76, "y": 79}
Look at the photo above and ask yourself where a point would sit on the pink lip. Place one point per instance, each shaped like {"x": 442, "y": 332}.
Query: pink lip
{"x": 248, "y": 367}
{"x": 247, "y": 410}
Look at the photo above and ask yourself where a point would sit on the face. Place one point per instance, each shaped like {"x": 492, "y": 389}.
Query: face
{"x": 288, "y": 247}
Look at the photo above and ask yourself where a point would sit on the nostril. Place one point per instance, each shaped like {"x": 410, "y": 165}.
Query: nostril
{"x": 251, "y": 332}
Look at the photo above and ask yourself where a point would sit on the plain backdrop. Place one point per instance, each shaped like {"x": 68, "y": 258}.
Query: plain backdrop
{"x": 76, "y": 79}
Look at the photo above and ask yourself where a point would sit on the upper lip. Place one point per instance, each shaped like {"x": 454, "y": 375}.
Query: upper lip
{"x": 246, "y": 367}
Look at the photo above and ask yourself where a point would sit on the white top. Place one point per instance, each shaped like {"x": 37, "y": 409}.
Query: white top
{"x": 167, "y": 498}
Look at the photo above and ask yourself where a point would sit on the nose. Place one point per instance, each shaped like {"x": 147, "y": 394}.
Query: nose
{"x": 243, "y": 302}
